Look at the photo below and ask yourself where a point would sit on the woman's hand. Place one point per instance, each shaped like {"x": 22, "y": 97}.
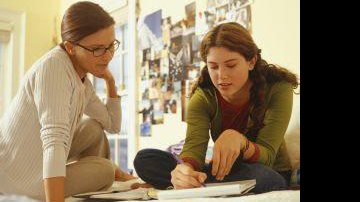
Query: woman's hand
{"x": 226, "y": 150}
{"x": 110, "y": 83}
{"x": 122, "y": 176}
{"x": 184, "y": 176}
{"x": 107, "y": 75}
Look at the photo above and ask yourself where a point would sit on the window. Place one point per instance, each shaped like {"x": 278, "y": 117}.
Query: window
{"x": 1, "y": 76}
{"x": 119, "y": 68}
{"x": 12, "y": 43}
{"x": 4, "y": 41}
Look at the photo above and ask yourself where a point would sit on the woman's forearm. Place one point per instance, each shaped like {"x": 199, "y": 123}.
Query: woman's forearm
{"x": 54, "y": 189}
{"x": 111, "y": 88}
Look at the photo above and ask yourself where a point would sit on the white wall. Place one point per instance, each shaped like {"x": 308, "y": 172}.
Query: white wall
{"x": 41, "y": 25}
{"x": 276, "y": 30}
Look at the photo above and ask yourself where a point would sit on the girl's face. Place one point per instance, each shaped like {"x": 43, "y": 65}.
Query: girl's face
{"x": 228, "y": 71}
{"x": 96, "y": 64}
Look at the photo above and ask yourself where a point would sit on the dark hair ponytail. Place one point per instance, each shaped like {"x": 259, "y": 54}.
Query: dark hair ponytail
{"x": 82, "y": 19}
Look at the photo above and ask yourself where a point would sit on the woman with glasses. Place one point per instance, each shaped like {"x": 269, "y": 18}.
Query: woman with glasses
{"x": 47, "y": 151}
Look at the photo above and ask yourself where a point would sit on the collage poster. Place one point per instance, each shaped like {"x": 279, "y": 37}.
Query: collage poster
{"x": 170, "y": 56}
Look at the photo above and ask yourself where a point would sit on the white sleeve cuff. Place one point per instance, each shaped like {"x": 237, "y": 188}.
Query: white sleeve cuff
{"x": 54, "y": 161}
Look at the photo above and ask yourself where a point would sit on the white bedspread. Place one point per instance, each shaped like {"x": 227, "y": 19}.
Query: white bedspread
{"x": 274, "y": 196}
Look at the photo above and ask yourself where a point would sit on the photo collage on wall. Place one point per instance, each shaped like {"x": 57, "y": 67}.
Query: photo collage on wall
{"x": 170, "y": 56}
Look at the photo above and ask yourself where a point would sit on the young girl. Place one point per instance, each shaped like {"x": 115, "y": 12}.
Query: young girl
{"x": 246, "y": 105}
{"x": 46, "y": 152}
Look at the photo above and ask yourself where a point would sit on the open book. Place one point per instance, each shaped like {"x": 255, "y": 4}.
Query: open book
{"x": 210, "y": 190}
{"x": 115, "y": 188}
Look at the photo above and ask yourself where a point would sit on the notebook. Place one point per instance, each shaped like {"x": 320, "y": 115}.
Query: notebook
{"x": 210, "y": 190}
{"x": 236, "y": 188}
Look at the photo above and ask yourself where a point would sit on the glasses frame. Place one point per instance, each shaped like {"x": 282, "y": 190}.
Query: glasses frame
{"x": 106, "y": 49}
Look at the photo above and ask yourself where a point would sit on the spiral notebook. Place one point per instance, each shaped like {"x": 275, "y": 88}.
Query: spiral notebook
{"x": 236, "y": 188}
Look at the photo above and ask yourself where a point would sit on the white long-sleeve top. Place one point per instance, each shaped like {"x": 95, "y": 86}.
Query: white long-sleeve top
{"x": 36, "y": 130}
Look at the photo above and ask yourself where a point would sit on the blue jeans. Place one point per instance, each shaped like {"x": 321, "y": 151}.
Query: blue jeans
{"x": 154, "y": 167}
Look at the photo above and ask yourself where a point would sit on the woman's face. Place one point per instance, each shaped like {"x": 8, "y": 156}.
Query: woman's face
{"x": 228, "y": 71}
{"x": 86, "y": 61}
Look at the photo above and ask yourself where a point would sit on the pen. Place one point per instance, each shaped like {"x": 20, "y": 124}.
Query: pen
{"x": 180, "y": 161}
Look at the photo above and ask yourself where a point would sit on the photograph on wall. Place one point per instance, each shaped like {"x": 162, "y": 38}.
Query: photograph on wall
{"x": 158, "y": 112}
{"x": 210, "y": 18}
{"x": 177, "y": 86}
{"x": 221, "y": 2}
{"x": 244, "y": 17}
{"x": 169, "y": 98}
{"x": 170, "y": 103}
{"x": 192, "y": 72}
{"x": 187, "y": 46}
{"x": 221, "y": 13}
{"x": 166, "y": 27}
{"x": 210, "y": 3}
{"x": 145, "y": 95}
{"x": 154, "y": 67}
{"x": 178, "y": 29}
{"x": 164, "y": 66}
{"x": 200, "y": 21}
{"x": 144, "y": 87}
{"x": 190, "y": 11}
{"x": 146, "y": 111}
{"x": 149, "y": 31}
{"x": 240, "y": 12}
{"x": 154, "y": 89}
{"x": 176, "y": 58}
{"x": 145, "y": 129}
{"x": 240, "y": 3}
{"x": 146, "y": 54}
{"x": 144, "y": 71}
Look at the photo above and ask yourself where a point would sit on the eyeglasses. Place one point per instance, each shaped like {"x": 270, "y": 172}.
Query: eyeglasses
{"x": 97, "y": 52}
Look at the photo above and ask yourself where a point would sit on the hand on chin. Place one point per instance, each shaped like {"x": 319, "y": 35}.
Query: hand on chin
{"x": 106, "y": 75}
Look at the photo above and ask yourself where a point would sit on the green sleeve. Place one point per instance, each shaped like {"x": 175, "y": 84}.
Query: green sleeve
{"x": 198, "y": 125}
{"x": 276, "y": 121}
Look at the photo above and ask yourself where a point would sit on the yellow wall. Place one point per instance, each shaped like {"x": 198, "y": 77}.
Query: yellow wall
{"x": 276, "y": 30}
{"x": 40, "y": 25}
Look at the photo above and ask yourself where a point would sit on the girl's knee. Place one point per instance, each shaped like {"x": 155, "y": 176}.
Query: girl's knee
{"x": 147, "y": 157}
{"x": 268, "y": 179}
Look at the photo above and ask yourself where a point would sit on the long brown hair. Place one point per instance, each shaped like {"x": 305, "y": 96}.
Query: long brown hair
{"x": 82, "y": 19}
{"x": 236, "y": 38}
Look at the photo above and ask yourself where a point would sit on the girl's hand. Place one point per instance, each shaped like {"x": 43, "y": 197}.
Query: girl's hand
{"x": 226, "y": 150}
{"x": 184, "y": 176}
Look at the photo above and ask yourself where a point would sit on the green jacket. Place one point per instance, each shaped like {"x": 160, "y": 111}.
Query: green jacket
{"x": 204, "y": 114}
